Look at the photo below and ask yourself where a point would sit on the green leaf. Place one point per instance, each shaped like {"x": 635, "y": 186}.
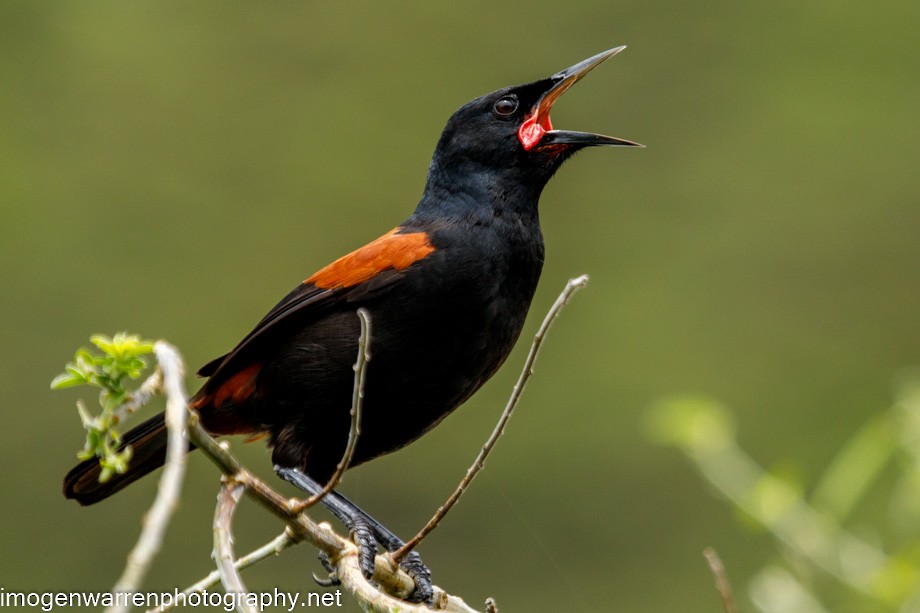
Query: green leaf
{"x": 103, "y": 342}
{"x": 105, "y": 474}
{"x": 79, "y": 373}
{"x": 84, "y": 359}
{"x": 85, "y": 418}
{"x": 66, "y": 380}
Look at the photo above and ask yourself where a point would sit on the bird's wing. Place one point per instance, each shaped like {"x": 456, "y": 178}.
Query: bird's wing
{"x": 350, "y": 278}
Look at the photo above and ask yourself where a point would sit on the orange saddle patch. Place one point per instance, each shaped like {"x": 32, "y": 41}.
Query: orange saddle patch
{"x": 391, "y": 251}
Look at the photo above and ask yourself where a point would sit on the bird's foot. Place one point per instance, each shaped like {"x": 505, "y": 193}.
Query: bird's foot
{"x": 366, "y": 532}
{"x": 412, "y": 565}
{"x": 363, "y": 537}
{"x": 366, "y": 538}
{"x": 415, "y": 568}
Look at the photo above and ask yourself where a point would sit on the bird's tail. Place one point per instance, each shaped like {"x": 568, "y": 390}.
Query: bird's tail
{"x": 148, "y": 440}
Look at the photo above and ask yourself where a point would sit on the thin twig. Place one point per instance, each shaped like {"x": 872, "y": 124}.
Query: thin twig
{"x": 270, "y": 549}
{"x": 570, "y": 288}
{"x": 170, "y": 485}
{"x": 357, "y": 401}
{"x": 722, "y": 585}
{"x": 227, "y": 498}
{"x": 152, "y": 386}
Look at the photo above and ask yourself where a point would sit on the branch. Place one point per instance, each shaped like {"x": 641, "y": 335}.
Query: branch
{"x": 570, "y": 288}
{"x": 157, "y": 519}
{"x": 272, "y": 548}
{"x": 348, "y": 571}
{"x": 227, "y": 499}
{"x": 703, "y": 431}
{"x": 722, "y": 585}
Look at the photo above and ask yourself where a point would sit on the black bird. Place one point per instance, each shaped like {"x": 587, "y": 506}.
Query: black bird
{"x": 447, "y": 291}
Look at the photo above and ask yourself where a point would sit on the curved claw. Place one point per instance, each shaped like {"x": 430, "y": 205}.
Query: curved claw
{"x": 330, "y": 581}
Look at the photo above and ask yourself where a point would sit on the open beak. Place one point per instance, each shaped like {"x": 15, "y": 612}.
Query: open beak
{"x": 537, "y": 128}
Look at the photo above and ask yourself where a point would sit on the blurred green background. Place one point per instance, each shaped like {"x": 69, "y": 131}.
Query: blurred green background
{"x": 174, "y": 168}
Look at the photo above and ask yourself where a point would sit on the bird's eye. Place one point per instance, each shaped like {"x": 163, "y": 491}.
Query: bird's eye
{"x": 506, "y": 106}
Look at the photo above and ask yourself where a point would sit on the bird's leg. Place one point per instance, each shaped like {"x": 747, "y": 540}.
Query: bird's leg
{"x": 366, "y": 532}
{"x": 357, "y": 524}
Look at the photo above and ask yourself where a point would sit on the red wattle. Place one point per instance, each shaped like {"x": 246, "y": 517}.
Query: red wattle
{"x": 533, "y": 129}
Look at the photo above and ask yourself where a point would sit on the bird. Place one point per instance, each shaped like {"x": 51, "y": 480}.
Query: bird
{"x": 447, "y": 290}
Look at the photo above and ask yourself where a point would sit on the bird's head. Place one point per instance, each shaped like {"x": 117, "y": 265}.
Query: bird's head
{"x": 510, "y": 130}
